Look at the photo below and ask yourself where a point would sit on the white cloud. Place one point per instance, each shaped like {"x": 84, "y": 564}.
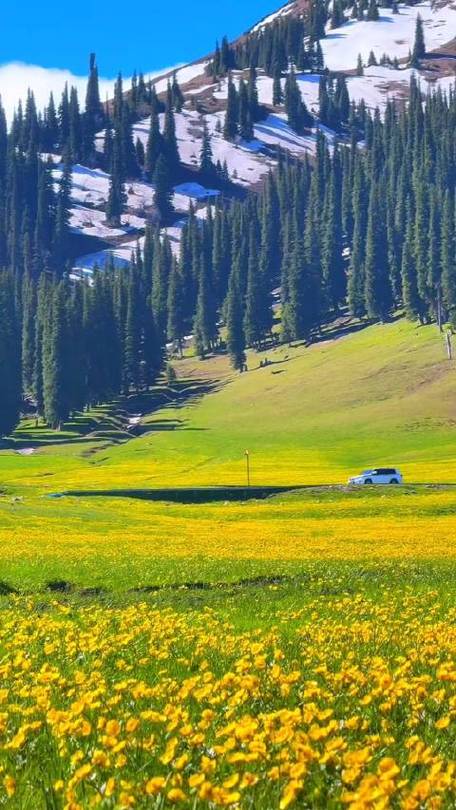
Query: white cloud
{"x": 17, "y": 77}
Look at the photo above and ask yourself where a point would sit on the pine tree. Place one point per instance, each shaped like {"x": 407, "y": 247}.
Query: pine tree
{"x": 411, "y": 298}
{"x": 154, "y": 145}
{"x": 132, "y": 338}
{"x": 215, "y": 65}
{"x": 50, "y": 134}
{"x": 169, "y": 141}
{"x": 226, "y": 57}
{"x": 43, "y": 297}
{"x": 75, "y": 128}
{"x": 378, "y": 293}
{"x": 245, "y": 118}
{"x": 76, "y": 357}
{"x": 342, "y": 100}
{"x": 205, "y": 326}
{"x": 448, "y": 257}
{"x": 107, "y": 149}
{"x": 62, "y": 218}
{"x": 234, "y": 323}
{"x": 332, "y": 259}
{"x": 55, "y": 392}
{"x": 176, "y": 310}
{"x": 337, "y": 16}
{"x": 206, "y": 158}
{"x": 230, "y": 128}
{"x": 371, "y": 61}
{"x": 299, "y": 314}
{"x": 177, "y": 95}
{"x": 318, "y": 19}
{"x": 94, "y": 115}
{"x": 318, "y": 59}
{"x": 372, "y": 11}
{"x": 254, "y": 302}
{"x": 140, "y": 153}
{"x": 161, "y": 271}
{"x": 124, "y": 132}
{"x": 118, "y": 106}
{"x": 117, "y": 197}
{"x": 45, "y": 213}
{"x": 252, "y": 94}
{"x": 277, "y": 94}
{"x": 64, "y": 118}
{"x": 419, "y": 47}
{"x": 420, "y": 248}
{"x": 163, "y": 188}
{"x": 28, "y": 333}
{"x": 433, "y": 259}
{"x": 298, "y": 115}
{"x": 30, "y": 130}
{"x": 104, "y": 349}
{"x": 10, "y": 368}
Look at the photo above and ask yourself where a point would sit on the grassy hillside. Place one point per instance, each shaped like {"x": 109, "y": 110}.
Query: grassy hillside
{"x": 382, "y": 395}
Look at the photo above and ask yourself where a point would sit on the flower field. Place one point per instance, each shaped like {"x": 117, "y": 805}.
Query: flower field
{"x": 331, "y": 699}
{"x": 122, "y": 543}
{"x": 257, "y": 655}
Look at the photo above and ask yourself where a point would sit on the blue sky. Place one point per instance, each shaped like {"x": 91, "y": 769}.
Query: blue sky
{"x": 142, "y": 34}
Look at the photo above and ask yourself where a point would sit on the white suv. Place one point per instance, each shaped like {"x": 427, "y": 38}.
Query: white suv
{"x": 380, "y": 475}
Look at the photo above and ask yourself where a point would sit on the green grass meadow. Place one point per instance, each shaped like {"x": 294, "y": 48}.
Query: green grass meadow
{"x": 381, "y": 395}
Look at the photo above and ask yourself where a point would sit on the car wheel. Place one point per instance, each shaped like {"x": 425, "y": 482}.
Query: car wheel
{"x": 368, "y": 481}
{"x": 394, "y": 481}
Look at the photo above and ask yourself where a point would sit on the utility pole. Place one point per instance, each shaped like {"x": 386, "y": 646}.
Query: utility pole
{"x": 247, "y": 459}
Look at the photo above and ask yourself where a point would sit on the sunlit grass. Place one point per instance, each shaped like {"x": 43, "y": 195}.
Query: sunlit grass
{"x": 123, "y": 543}
{"x": 381, "y": 396}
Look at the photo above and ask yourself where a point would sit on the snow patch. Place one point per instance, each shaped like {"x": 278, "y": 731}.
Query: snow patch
{"x": 392, "y": 34}
{"x": 282, "y": 12}
{"x": 184, "y": 75}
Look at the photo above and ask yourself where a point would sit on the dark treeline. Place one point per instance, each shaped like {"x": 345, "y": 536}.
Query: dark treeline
{"x": 50, "y": 342}
{"x": 66, "y": 346}
{"x": 288, "y": 40}
{"x": 370, "y": 224}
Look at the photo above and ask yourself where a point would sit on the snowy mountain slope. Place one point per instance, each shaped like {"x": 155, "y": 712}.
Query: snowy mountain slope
{"x": 295, "y": 8}
{"x": 184, "y": 74}
{"x": 249, "y": 162}
{"x": 392, "y": 34}
{"x": 239, "y": 158}
{"x": 284, "y": 11}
